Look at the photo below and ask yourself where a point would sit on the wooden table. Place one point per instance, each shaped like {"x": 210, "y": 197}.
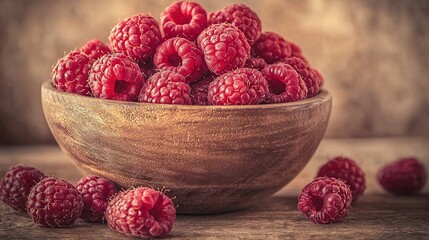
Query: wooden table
{"x": 376, "y": 215}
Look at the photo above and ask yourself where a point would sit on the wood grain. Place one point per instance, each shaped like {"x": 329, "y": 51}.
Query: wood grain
{"x": 210, "y": 158}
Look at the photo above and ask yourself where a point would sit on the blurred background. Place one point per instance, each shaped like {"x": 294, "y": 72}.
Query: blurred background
{"x": 373, "y": 55}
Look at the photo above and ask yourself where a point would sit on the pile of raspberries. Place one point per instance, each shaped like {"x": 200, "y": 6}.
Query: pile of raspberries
{"x": 190, "y": 57}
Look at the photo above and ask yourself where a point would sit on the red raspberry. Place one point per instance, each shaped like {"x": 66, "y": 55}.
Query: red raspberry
{"x": 405, "y": 176}
{"x": 181, "y": 56}
{"x": 136, "y": 37}
{"x": 284, "y": 83}
{"x": 16, "y": 185}
{"x": 54, "y": 203}
{"x": 347, "y": 170}
{"x": 256, "y": 63}
{"x": 71, "y": 73}
{"x": 183, "y": 19}
{"x": 147, "y": 68}
{"x": 296, "y": 51}
{"x": 319, "y": 77}
{"x": 96, "y": 192}
{"x": 167, "y": 88}
{"x": 199, "y": 91}
{"x": 325, "y": 200}
{"x": 95, "y": 49}
{"x": 225, "y": 48}
{"x": 306, "y": 73}
{"x": 240, "y": 16}
{"x": 115, "y": 76}
{"x": 271, "y": 47}
{"x": 141, "y": 212}
{"x": 243, "y": 86}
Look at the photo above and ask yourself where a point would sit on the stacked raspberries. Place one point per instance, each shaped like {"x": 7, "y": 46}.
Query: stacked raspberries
{"x": 144, "y": 59}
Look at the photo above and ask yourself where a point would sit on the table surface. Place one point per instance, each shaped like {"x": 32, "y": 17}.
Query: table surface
{"x": 376, "y": 215}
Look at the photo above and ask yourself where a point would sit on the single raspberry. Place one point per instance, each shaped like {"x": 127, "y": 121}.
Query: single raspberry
{"x": 405, "y": 176}
{"x": 296, "y": 51}
{"x": 256, "y": 63}
{"x": 147, "y": 68}
{"x": 95, "y": 49}
{"x": 325, "y": 200}
{"x": 141, "y": 212}
{"x": 115, "y": 76}
{"x": 225, "y": 48}
{"x": 243, "y": 86}
{"x": 167, "y": 88}
{"x": 183, "y": 19}
{"x": 70, "y": 74}
{"x": 271, "y": 47}
{"x": 319, "y": 77}
{"x": 284, "y": 83}
{"x": 136, "y": 37}
{"x": 16, "y": 185}
{"x": 347, "y": 170}
{"x": 240, "y": 16}
{"x": 199, "y": 90}
{"x": 306, "y": 73}
{"x": 96, "y": 192}
{"x": 181, "y": 56}
{"x": 54, "y": 203}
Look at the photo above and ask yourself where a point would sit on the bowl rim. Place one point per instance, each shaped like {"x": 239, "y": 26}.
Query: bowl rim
{"x": 322, "y": 96}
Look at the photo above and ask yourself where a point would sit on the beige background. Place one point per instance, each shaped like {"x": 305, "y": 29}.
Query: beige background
{"x": 373, "y": 54}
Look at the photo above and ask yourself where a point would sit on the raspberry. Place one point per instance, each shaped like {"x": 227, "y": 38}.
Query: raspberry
{"x": 271, "y": 47}
{"x": 167, "y": 88}
{"x": 240, "y": 87}
{"x": 71, "y": 73}
{"x": 284, "y": 83}
{"x": 256, "y": 63}
{"x": 16, "y": 185}
{"x": 225, "y": 48}
{"x": 405, "y": 176}
{"x": 54, "y": 203}
{"x": 183, "y": 19}
{"x": 319, "y": 77}
{"x": 136, "y": 37}
{"x": 296, "y": 51}
{"x": 347, "y": 170}
{"x": 181, "y": 56}
{"x": 325, "y": 200}
{"x": 199, "y": 91}
{"x": 240, "y": 16}
{"x": 95, "y": 192}
{"x": 95, "y": 49}
{"x": 115, "y": 76}
{"x": 141, "y": 212}
{"x": 147, "y": 68}
{"x": 306, "y": 73}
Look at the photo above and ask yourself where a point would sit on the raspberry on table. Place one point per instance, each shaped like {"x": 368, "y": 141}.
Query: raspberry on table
{"x": 347, "y": 170}
{"x": 181, "y": 56}
{"x": 70, "y": 74}
{"x": 240, "y": 16}
{"x": 225, "y": 48}
{"x": 54, "y": 203}
{"x": 199, "y": 90}
{"x": 115, "y": 76}
{"x": 183, "y": 19}
{"x": 307, "y": 74}
{"x": 137, "y": 37}
{"x": 284, "y": 83}
{"x": 325, "y": 200}
{"x": 271, "y": 47}
{"x": 141, "y": 212}
{"x": 94, "y": 49}
{"x": 256, "y": 63}
{"x": 405, "y": 176}
{"x": 96, "y": 192}
{"x": 16, "y": 185}
{"x": 167, "y": 88}
{"x": 243, "y": 86}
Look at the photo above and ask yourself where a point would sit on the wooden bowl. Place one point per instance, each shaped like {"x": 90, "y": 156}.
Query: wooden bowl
{"x": 211, "y": 158}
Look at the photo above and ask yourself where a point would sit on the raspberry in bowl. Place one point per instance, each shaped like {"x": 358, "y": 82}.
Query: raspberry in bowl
{"x": 211, "y": 158}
